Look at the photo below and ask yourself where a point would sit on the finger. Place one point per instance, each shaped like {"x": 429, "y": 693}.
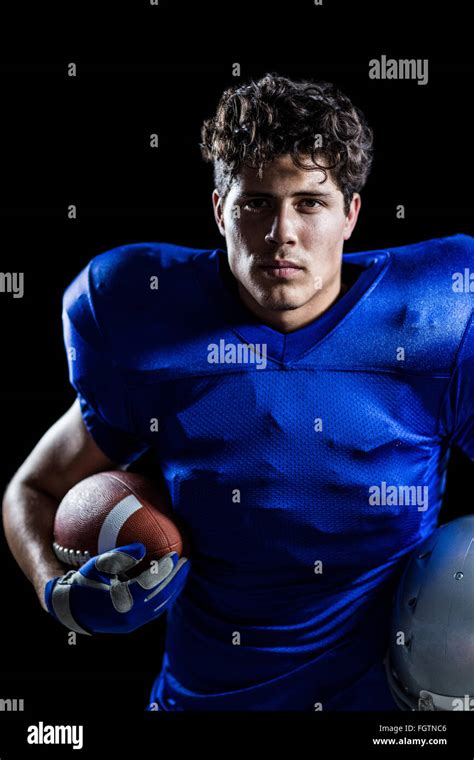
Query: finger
{"x": 176, "y": 591}
{"x": 159, "y": 570}
{"x": 120, "y": 592}
{"x": 90, "y": 572}
{"x": 120, "y": 559}
{"x": 183, "y": 566}
{"x": 121, "y": 596}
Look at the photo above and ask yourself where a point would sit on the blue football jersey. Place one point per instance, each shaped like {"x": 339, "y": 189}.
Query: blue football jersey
{"x": 306, "y": 466}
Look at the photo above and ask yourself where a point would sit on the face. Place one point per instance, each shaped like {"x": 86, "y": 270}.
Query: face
{"x": 284, "y": 235}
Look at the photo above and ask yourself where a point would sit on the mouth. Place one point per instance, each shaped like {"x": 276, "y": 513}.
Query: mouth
{"x": 281, "y": 269}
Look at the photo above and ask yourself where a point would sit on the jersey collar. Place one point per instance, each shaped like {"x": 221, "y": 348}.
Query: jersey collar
{"x": 214, "y": 273}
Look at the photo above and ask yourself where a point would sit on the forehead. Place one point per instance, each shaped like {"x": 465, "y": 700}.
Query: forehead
{"x": 282, "y": 170}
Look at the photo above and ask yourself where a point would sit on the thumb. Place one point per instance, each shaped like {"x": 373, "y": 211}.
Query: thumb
{"x": 121, "y": 559}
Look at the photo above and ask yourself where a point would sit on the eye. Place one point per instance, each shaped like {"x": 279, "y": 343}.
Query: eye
{"x": 313, "y": 200}
{"x": 256, "y": 204}
{"x": 248, "y": 204}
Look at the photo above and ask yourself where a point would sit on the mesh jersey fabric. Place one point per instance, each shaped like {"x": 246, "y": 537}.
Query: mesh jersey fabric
{"x": 304, "y": 485}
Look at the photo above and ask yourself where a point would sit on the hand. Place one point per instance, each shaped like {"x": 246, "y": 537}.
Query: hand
{"x": 100, "y": 598}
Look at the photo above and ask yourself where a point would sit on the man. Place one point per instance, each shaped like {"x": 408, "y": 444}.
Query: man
{"x": 307, "y": 402}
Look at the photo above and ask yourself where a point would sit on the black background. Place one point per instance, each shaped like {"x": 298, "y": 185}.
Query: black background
{"x": 85, "y": 141}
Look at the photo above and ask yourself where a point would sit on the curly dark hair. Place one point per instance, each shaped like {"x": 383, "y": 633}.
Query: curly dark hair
{"x": 258, "y": 121}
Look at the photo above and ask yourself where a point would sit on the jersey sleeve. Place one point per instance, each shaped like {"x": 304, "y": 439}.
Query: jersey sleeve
{"x": 96, "y": 377}
{"x": 457, "y": 414}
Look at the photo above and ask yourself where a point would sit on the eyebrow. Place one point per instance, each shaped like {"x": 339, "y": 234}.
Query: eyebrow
{"x": 318, "y": 194}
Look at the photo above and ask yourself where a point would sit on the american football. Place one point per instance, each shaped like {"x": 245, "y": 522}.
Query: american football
{"x": 111, "y": 509}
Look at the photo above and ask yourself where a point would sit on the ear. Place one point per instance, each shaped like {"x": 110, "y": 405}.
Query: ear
{"x": 218, "y": 205}
{"x": 351, "y": 218}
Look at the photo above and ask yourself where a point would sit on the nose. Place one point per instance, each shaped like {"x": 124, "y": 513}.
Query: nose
{"x": 282, "y": 231}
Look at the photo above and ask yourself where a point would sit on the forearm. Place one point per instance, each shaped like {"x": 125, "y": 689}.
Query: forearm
{"x": 28, "y": 520}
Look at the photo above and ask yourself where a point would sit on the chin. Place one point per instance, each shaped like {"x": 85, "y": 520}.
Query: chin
{"x": 279, "y": 304}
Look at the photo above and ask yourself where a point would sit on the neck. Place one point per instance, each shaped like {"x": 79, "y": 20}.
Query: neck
{"x": 289, "y": 320}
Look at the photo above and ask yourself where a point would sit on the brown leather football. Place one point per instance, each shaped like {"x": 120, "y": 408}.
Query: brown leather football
{"x": 115, "y": 508}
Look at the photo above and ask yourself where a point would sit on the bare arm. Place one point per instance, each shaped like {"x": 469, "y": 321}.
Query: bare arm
{"x": 64, "y": 455}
